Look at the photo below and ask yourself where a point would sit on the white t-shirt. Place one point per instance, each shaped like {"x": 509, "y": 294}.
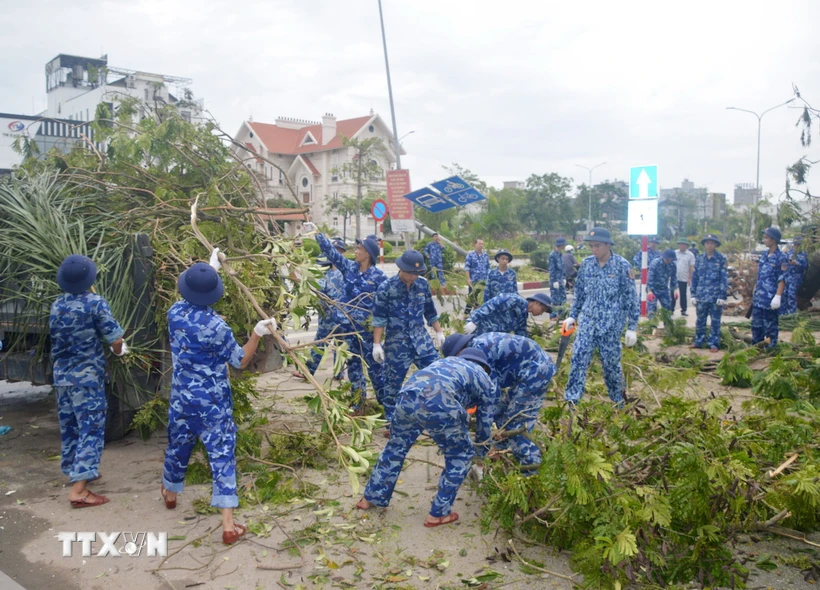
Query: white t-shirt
{"x": 686, "y": 260}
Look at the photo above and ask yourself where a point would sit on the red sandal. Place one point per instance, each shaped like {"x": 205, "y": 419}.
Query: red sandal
{"x": 89, "y": 500}
{"x": 452, "y": 517}
{"x": 169, "y": 504}
{"x": 231, "y": 537}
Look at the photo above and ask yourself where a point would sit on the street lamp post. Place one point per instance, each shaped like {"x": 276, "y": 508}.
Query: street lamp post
{"x": 589, "y": 219}
{"x": 759, "y": 119}
{"x": 757, "y": 175}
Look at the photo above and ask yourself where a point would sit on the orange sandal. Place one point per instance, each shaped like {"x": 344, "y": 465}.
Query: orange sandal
{"x": 169, "y": 504}
{"x": 89, "y": 500}
{"x": 452, "y": 517}
{"x": 231, "y": 537}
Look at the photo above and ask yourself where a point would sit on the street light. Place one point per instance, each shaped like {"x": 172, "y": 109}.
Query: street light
{"x": 759, "y": 118}
{"x": 589, "y": 219}
{"x": 405, "y": 135}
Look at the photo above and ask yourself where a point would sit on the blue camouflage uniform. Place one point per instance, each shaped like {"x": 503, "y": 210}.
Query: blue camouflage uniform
{"x": 709, "y": 283}
{"x": 332, "y": 286}
{"x": 651, "y": 256}
{"x": 522, "y": 367}
{"x": 499, "y": 283}
{"x": 771, "y": 269}
{"x": 433, "y": 252}
{"x": 794, "y": 278}
{"x": 478, "y": 265}
{"x": 661, "y": 280}
{"x": 556, "y": 268}
{"x": 78, "y": 325}
{"x": 356, "y": 303}
{"x": 402, "y": 311}
{"x": 505, "y": 313}
{"x": 435, "y": 400}
{"x": 201, "y": 403}
{"x": 605, "y": 300}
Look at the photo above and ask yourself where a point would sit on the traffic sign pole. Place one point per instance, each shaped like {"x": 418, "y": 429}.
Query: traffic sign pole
{"x": 644, "y": 273}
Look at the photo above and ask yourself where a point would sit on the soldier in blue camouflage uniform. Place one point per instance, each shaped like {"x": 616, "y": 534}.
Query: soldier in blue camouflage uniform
{"x": 709, "y": 286}
{"x": 605, "y": 300}
{"x": 435, "y": 400}
{"x": 331, "y": 286}
{"x": 433, "y": 252}
{"x": 771, "y": 282}
{"x": 652, "y": 254}
{"x": 507, "y": 313}
{"x": 524, "y": 369}
{"x": 477, "y": 267}
{"x": 558, "y": 280}
{"x": 661, "y": 281}
{"x": 79, "y": 323}
{"x": 401, "y": 306}
{"x": 798, "y": 263}
{"x": 202, "y": 345}
{"x": 502, "y": 279}
{"x": 361, "y": 279}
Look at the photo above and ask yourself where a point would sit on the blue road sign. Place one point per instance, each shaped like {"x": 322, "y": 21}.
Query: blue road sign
{"x": 444, "y": 194}
{"x": 643, "y": 182}
{"x": 379, "y": 210}
{"x": 427, "y": 198}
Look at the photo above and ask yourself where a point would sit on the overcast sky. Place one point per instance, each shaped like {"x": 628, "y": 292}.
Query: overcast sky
{"x": 507, "y": 89}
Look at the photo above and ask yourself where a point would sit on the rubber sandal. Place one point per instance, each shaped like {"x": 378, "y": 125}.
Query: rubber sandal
{"x": 713, "y": 349}
{"x": 450, "y": 518}
{"x": 89, "y": 500}
{"x": 231, "y": 537}
{"x": 386, "y": 433}
{"x": 360, "y": 507}
{"x": 299, "y": 375}
{"x": 169, "y": 504}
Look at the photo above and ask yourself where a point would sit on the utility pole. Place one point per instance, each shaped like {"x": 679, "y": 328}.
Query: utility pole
{"x": 589, "y": 188}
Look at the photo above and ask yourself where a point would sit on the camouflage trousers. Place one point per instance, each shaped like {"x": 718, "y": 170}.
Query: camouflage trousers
{"x": 790, "y": 298}
{"x": 81, "y": 412}
{"x": 216, "y": 429}
{"x": 520, "y": 409}
{"x": 765, "y": 324}
{"x": 665, "y": 300}
{"x": 363, "y": 348}
{"x": 609, "y": 349}
{"x": 558, "y": 296}
{"x": 445, "y": 420}
{"x": 434, "y": 273}
{"x": 326, "y": 328}
{"x": 705, "y": 311}
{"x": 398, "y": 358}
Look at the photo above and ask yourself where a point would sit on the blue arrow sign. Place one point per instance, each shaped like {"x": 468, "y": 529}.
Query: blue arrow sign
{"x": 643, "y": 182}
{"x": 444, "y": 194}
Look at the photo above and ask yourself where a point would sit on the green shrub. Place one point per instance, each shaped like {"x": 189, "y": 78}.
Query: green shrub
{"x": 312, "y": 247}
{"x": 528, "y": 245}
{"x": 540, "y": 259}
{"x": 388, "y": 248}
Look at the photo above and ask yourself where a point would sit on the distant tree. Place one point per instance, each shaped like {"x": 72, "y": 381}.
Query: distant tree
{"x": 501, "y": 214}
{"x": 547, "y": 205}
{"x": 363, "y": 169}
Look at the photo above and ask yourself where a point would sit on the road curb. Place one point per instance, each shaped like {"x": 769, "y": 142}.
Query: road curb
{"x": 529, "y": 285}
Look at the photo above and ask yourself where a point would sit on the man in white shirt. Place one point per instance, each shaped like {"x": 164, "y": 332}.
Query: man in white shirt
{"x": 686, "y": 267}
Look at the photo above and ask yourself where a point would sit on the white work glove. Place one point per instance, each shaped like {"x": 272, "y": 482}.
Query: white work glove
{"x": 214, "y": 261}
{"x": 378, "y": 353}
{"x": 438, "y": 339}
{"x": 265, "y": 327}
{"x": 568, "y": 324}
{"x": 776, "y": 302}
{"x": 470, "y": 328}
{"x": 477, "y": 472}
{"x": 694, "y": 300}
{"x": 556, "y": 285}
{"x": 123, "y": 350}
{"x": 563, "y": 282}
{"x": 308, "y": 228}
{"x": 720, "y": 302}
{"x": 631, "y": 338}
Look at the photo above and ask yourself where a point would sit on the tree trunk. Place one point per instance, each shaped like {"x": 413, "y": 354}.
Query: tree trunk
{"x": 359, "y": 198}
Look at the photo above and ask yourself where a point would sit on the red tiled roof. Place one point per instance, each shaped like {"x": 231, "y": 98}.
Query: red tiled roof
{"x": 253, "y": 149}
{"x": 287, "y": 141}
{"x": 310, "y": 165}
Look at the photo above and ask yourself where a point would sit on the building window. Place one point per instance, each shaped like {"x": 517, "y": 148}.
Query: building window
{"x": 371, "y": 129}
{"x": 146, "y": 95}
{"x": 335, "y": 222}
{"x": 306, "y": 198}
{"x": 186, "y": 116}
{"x": 334, "y": 178}
{"x": 335, "y": 195}
{"x": 304, "y": 181}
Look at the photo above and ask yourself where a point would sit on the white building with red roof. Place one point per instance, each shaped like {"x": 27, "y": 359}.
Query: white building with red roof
{"x": 311, "y": 155}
